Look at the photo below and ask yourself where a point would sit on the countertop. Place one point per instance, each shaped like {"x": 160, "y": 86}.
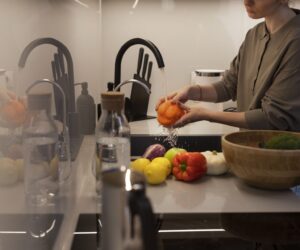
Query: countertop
{"x": 209, "y": 194}
{"x": 151, "y": 127}
{"x": 223, "y": 194}
{"x": 218, "y": 194}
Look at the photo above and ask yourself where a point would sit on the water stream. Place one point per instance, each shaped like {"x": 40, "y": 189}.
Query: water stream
{"x": 171, "y": 133}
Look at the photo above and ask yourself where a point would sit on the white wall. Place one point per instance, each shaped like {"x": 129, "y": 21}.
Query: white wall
{"x": 76, "y": 25}
{"x": 190, "y": 34}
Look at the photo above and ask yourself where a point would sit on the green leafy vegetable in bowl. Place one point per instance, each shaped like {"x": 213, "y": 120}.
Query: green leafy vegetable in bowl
{"x": 282, "y": 141}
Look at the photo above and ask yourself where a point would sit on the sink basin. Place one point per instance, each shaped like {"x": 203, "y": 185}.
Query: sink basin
{"x": 199, "y": 143}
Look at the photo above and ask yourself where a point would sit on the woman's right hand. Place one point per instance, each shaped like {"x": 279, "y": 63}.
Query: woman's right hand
{"x": 180, "y": 96}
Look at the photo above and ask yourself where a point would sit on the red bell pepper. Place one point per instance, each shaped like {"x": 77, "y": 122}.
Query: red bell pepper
{"x": 189, "y": 166}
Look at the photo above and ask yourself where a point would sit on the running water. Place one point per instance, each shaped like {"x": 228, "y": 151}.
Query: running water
{"x": 172, "y": 136}
{"x": 165, "y": 89}
{"x": 171, "y": 133}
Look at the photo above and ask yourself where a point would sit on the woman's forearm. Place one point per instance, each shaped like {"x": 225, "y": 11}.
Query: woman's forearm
{"x": 236, "y": 119}
{"x": 206, "y": 93}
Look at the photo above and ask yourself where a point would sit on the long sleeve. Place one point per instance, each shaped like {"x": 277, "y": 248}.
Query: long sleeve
{"x": 280, "y": 106}
{"x": 264, "y": 78}
{"x": 227, "y": 87}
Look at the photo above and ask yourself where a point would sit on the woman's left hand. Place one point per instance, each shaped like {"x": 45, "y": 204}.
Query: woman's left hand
{"x": 193, "y": 114}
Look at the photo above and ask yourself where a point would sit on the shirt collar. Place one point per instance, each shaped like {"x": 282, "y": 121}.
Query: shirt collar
{"x": 264, "y": 31}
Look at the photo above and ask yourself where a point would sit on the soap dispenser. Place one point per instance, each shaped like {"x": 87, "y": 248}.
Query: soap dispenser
{"x": 87, "y": 111}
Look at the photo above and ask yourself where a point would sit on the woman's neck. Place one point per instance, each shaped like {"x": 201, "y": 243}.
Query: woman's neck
{"x": 278, "y": 18}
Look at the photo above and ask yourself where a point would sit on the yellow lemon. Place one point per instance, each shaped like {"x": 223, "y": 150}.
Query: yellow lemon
{"x": 8, "y": 171}
{"x": 20, "y": 165}
{"x": 53, "y": 167}
{"x": 139, "y": 164}
{"x": 164, "y": 163}
{"x": 154, "y": 173}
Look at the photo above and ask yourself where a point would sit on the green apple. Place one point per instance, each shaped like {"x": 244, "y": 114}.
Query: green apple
{"x": 170, "y": 154}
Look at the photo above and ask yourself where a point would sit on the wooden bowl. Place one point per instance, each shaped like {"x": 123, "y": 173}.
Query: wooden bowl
{"x": 259, "y": 167}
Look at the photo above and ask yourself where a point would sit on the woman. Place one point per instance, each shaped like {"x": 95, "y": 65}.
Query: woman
{"x": 264, "y": 77}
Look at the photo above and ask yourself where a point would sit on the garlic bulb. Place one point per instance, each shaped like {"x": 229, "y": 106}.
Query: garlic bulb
{"x": 216, "y": 164}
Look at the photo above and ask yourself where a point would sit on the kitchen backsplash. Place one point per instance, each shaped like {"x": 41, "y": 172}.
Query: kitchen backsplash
{"x": 74, "y": 23}
{"x": 191, "y": 34}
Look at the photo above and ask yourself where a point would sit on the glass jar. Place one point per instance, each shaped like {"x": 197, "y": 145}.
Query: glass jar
{"x": 40, "y": 151}
{"x": 112, "y": 137}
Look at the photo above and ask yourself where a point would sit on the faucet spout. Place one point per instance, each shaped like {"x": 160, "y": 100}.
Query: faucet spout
{"x": 128, "y": 44}
{"x": 134, "y": 81}
{"x": 60, "y": 46}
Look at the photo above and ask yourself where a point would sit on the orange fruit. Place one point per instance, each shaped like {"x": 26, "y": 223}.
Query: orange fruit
{"x": 168, "y": 113}
{"x": 14, "y": 112}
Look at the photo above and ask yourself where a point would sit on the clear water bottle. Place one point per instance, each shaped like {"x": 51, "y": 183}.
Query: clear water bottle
{"x": 112, "y": 137}
{"x": 40, "y": 149}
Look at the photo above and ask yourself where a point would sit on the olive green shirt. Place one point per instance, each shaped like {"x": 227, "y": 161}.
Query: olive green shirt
{"x": 264, "y": 78}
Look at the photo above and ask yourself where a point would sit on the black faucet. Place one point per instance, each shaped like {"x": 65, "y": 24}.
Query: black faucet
{"x": 70, "y": 67}
{"x": 67, "y": 82}
{"x": 67, "y": 54}
{"x": 123, "y": 49}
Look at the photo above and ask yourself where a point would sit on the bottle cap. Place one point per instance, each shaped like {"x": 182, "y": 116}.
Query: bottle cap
{"x": 84, "y": 88}
{"x": 113, "y": 101}
{"x": 39, "y": 101}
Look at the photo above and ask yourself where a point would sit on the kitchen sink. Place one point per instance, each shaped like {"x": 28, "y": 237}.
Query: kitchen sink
{"x": 139, "y": 143}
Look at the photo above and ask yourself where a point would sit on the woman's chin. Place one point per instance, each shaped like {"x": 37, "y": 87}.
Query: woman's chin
{"x": 253, "y": 15}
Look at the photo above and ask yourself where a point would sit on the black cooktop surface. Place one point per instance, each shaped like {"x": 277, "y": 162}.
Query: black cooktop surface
{"x": 29, "y": 231}
{"x": 228, "y": 231}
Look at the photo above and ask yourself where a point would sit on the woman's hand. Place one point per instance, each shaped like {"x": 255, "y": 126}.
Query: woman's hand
{"x": 193, "y": 114}
{"x": 180, "y": 96}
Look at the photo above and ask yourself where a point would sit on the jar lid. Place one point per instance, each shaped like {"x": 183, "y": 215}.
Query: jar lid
{"x": 39, "y": 101}
{"x": 112, "y": 100}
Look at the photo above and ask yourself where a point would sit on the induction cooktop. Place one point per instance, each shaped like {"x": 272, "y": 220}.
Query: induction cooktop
{"x": 29, "y": 231}
{"x": 214, "y": 231}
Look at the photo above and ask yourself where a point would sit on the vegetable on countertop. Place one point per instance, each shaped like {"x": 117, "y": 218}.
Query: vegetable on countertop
{"x": 13, "y": 112}
{"x": 168, "y": 113}
{"x": 139, "y": 164}
{"x": 9, "y": 173}
{"x": 189, "y": 166}
{"x": 155, "y": 174}
{"x": 153, "y": 151}
{"x": 165, "y": 163}
{"x": 170, "y": 154}
{"x": 282, "y": 141}
{"x": 216, "y": 164}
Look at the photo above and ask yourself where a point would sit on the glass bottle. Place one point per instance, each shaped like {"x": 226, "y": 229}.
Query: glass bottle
{"x": 112, "y": 136}
{"x": 40, "y": 149}
{"x": 87, "y": 111}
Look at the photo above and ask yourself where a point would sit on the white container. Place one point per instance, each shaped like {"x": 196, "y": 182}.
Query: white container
{"x": 209, "y": 76}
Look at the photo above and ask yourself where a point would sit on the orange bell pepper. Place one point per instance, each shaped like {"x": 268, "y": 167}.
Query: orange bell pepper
{"x": 13, "y": 112}
{"x": 168, "y": 113}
